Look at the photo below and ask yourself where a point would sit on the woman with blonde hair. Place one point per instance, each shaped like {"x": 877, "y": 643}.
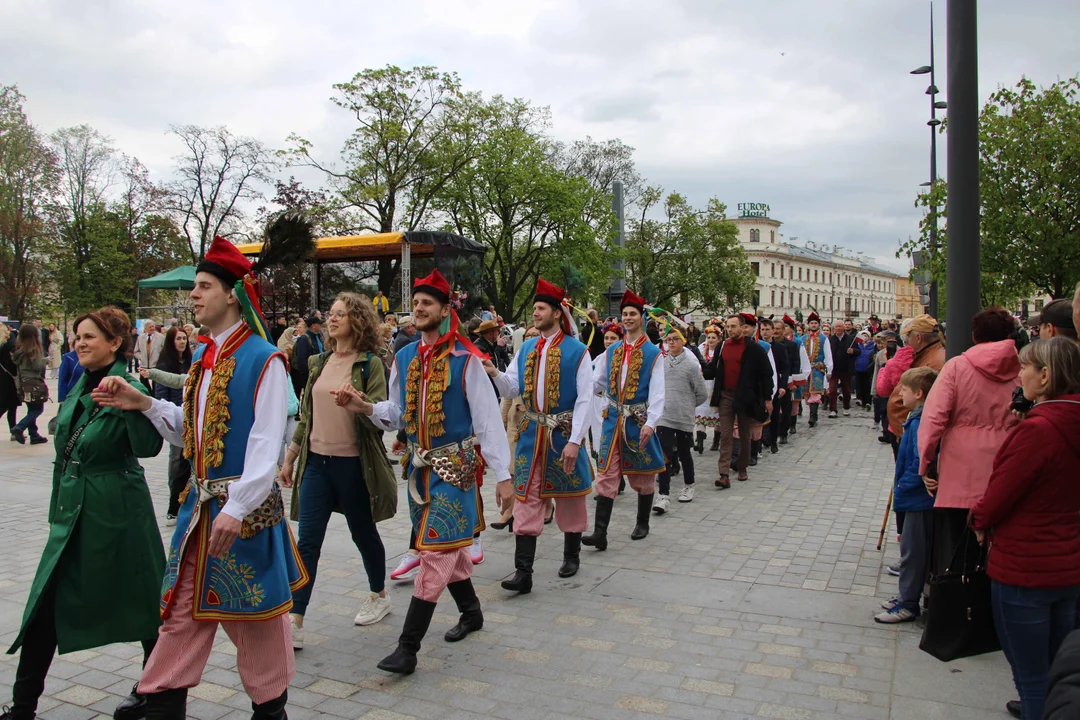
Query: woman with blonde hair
{"x": 342, "y": 462}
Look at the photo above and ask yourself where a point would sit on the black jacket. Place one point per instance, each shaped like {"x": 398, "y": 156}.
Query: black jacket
{"x": 1063, "y": 695}
{"x": 783, "y": 365}
{"x": 754, "y": 386}
{"x": 841, "y": 361}
{"x": 9, "y": 396}
{"x": 306, "y": 346}
{"x": 596, "y": 345}
{"x": 794, "y": 362}
{"x": 500, "y": 356}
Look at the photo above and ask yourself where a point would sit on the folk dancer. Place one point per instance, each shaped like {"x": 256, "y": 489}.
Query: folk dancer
{"x": 798, "y": 365}
{"x": 781, "y": 370}
{"x": 553, "y": 376}
{"x": 453, "y": 427}
{"x": 819, "y": 352}
{"x": 708, "y": 417}
{"x": 232, "y": 559}
{"x": 631, "y": 376}
{"x": 798, "y": 381}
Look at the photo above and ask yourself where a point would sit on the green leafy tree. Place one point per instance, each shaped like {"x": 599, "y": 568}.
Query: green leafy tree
{"x": 28, "y": 184}
{"x": 686, "y": 257}
{"x": 1029, "y": 187}
{"x": 416, "y": 130}
{"x": 535, "y": 219}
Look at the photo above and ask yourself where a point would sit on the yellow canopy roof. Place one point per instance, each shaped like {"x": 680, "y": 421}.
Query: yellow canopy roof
{"x": 352, "y": 247}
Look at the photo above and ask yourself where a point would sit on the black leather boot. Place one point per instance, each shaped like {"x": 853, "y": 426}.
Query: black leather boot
{"x": 813, "y": 415}
{"x": 598, "y": 539}
{"x": 468, "y": 605}
{"x": 792, "y": 429}
{"x": 699, "y": 441}
{"x": 167, "y": 705}
{"x": 133, "y": 707}
{"x": 715, "y": 441}
{"x": 524, "y": 554}
{"x": 644, "y": 511}
{"x": 755, "y": 448}
{"x": 571, "y": 555}
{"x": 403, "y": 660}
{"x": 271, "y": 710}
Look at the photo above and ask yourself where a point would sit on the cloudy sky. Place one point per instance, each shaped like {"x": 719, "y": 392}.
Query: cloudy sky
{"x": 807, "y": 106}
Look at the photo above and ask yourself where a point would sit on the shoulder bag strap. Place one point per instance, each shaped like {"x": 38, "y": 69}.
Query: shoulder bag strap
{"x": 69, "y": 448}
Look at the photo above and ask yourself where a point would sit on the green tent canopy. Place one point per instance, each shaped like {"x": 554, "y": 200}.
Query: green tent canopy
{"x": 181, "y": 278}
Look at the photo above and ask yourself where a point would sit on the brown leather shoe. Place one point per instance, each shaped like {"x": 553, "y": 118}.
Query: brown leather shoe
{"x": 743, "y": 477}
{"x": 722, "y": 482}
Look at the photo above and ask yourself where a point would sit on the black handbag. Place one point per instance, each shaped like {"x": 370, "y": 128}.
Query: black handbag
{"x": 960, "y": 621}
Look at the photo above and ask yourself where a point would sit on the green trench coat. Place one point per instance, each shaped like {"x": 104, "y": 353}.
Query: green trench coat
{"x": 378, "y": 473}
{"x": 104, "y": 549}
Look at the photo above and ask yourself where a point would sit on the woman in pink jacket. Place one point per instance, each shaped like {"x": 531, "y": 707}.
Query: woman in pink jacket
{"x": 966, "y": 419}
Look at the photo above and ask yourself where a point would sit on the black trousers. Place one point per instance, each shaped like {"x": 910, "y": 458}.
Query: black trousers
{"x": 780, "y": 420}
{"x": 862, "y": 386}
{"x": 179, "y": 474}
{"x": 36, "y": 655}
{"x": 676, "y": 442}
{"x": 844, "y": 382}
{"x": 10, "y": 412}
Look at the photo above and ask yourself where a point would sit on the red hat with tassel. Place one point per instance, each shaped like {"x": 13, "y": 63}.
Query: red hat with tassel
{"x": 555, "y": 296}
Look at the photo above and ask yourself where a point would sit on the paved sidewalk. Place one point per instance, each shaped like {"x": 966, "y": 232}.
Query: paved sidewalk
{"x": 753, "y": 602}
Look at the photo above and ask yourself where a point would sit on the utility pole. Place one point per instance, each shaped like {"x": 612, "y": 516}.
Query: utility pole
{"x": 964, "y": 269}
{"x": 618, "y": 268}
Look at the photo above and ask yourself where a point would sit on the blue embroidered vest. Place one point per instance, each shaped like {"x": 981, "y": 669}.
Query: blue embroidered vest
{"x": 444, "y": 517}
{"x": 540, "y": 445}
{"x": 255, "y": 579}
{"x": 636, "y": 460}
{"x": 817, "y": 383}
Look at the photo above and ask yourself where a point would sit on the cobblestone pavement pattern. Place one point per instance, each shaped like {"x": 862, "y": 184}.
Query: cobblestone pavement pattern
{"x": 753, "y": 602}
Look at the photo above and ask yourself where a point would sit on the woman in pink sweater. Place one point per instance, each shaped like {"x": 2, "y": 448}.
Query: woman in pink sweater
{"x": 966, "y": 419}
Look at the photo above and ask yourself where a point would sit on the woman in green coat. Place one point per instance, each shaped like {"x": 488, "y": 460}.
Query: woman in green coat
{"x": 99, "y": 579}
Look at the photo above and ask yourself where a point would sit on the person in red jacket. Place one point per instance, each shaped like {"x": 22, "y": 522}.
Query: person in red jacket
{"x": 1031, "y": 515}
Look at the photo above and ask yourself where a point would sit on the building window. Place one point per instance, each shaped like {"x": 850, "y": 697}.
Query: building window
{"x": 772, "y": 236}
{"x": 1039, "y": 305}
{"x": 800, "y": 273}
{"x": 756, "y": 268}
{"x": 800, "y": 299}
{"x": 772, "y": 269}
{"x": 772, "y": 303}
{"x": 757, "y": 299}
{"x": 781, "y": 272}
{"x": 815, "y": 276}
{"x": 755, "y": 236}
{"x": 830, "y": 303}
{"x": 830, "y": 278}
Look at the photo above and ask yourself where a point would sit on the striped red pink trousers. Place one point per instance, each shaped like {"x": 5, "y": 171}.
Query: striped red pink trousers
{"x": 439, "y": 568}
{"x": 607, "y": 481}
{"x": 264, "y": 653}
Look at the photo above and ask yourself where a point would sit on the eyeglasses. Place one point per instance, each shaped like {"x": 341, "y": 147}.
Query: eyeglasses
{"x": 339, "y": 314}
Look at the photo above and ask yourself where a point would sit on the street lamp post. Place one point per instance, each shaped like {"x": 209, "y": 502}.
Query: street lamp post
{"x": 935, "y": 105}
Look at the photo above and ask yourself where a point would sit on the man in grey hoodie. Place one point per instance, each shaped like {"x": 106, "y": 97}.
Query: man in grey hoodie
{"x": 684, "y": 391}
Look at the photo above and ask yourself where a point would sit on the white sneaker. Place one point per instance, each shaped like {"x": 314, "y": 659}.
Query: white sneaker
{"x": 847, "y": 413}
{"x": 408, "y": 568}
{"x": 660, "y": 505}
{"x": 832, "y": 414}
{"x": 374, "y": 610}
{"x": 898, "y": 614}
{"x": 297, "y": 634}
{"x": 170, "y": 520}
{"x": 687, "y": 494}
{"x": 476, "y": 551}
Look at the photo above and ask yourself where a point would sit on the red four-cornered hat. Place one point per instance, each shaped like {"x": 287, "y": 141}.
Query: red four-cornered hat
{"x": 812, "y": 317}
{"x": 435, "y": 285}
{"x": 225, "y": 261}
{"x": 551, "y": 294}
{"x": 788, "y": 320}
{"x": 629, "y": 299}
{"x": 748, "y": 318}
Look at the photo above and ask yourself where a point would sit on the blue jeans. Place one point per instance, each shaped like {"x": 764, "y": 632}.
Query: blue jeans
{"x": 29, "y": 422}
{"x": 1031, "y": 625}
{"x": 331, "y": 483}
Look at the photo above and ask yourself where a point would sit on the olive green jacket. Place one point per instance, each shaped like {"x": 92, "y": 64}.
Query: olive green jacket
{"x": 378, "y": 473}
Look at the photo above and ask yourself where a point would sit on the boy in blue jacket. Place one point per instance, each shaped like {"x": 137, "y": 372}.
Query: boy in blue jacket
{"x": 911, "y": 497}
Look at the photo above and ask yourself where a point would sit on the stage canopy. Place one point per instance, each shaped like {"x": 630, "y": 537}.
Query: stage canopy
{"x": 181, "y": 278}
{"x": 385, "y": 246}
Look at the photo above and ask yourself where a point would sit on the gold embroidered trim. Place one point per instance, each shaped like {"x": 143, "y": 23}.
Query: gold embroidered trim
{"x": 530, "y": 380}
{"x": 637, "y": 356}
{"x": 412, "y": 395}
{"x": 193, "y": 379}
{"x": 215, "y": 424}
{"x": 616, "y": 369}
{"x": 554, "y": 363}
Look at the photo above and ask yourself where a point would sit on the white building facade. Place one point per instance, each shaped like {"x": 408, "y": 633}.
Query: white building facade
{"x": 838, "y": 284}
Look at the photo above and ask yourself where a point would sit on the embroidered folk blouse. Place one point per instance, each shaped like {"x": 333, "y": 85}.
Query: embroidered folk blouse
{"x": 264, "y": 443}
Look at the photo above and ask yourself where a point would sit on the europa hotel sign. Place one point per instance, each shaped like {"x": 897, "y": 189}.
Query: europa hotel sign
{"x": 748, "y": 209}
